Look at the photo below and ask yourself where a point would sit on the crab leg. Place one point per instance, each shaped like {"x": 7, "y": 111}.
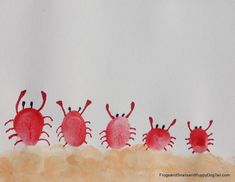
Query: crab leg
{"x": 61, "y": 138}
{"x": 49, "y": 117}
{"x": 22, "y": 93}
{"x": 210, "y": 134}
{"x": 9, "y": 130}
{"x": 47, "y": 124}
{"x": 14, "y": 135}
{"x": 9, "y": 121}
{"x": 132, "y": 108}
{"x": 144, "y": 134}
{"x": 103, "y": 137}
{"x": 105, "y": 141}
{"x": 18, "y": 142}
{"x": 89, "y": 134}
{"x": 88, "y": 129}
{"x": 88, "y": 102}
{"x": 42, "y": 139}
{"x": 58, "y": 129}
{"x": 59, "y": 134}
{"x": 44, "y": 97}
{"x": 131, "y": 138}
{"x": 108, "y": 111}
{"x": 104, "y": 131}
{"x": 46, "y": 133}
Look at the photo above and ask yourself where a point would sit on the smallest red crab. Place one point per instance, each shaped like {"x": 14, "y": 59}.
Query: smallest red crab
{"x": 158, "y": 138}
{"x": 199, "y": 139}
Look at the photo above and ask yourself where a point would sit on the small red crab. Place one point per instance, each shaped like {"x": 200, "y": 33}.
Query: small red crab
{"x": 118, "y": 131}
{"x": 73, "y": 127}
{"x": 158, "y": 138}
{"x": 29, "y": 122}
{"x": 199, "y": 139}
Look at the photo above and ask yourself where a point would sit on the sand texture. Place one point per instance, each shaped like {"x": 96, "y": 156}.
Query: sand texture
{"x": 88, "y": 164}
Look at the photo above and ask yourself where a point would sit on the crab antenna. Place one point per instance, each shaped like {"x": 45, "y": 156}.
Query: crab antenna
{"x": 132, "y": 108}
{"x": 22, "y": 93}
{"x": 210, "y": 123}
{"x": 88, "y": 102}
{"x": 189, "y": 126}
{"x": 172, "y": 123}
{"x": 151, "y": 122}
{"x": 44, "y": 97}
{"x": 60, "y": 103}
{"x": 108, "y": 111}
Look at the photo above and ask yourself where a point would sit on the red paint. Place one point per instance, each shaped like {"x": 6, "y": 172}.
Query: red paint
{"x": 118, "y": 131}
{"x": 199, "y": 139}
{"x": 29, "y": 122}
{"x": 158, "y": 138}
{"x": 73, "y": 127}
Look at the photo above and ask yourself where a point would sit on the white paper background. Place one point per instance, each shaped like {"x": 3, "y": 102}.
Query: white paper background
{"x": 174, "y": 58}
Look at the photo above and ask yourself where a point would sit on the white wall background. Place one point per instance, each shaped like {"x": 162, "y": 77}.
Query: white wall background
{"x": 174, "y": 58}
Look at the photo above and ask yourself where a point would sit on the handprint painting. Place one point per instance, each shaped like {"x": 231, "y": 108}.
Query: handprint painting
{"x": 132, "y": 91}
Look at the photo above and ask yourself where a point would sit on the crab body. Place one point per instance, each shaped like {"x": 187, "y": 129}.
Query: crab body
{"x": 199, "y": 139}
{"x": 28, "y": 123}
{"x": 118, "y": 131}
{"x": 158, "y": 138}
{"x": 73, "y": 128}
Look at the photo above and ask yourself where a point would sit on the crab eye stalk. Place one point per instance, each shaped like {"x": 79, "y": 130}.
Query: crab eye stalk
{"x": 69, "y": 108}
{"x": 163, "y": 126}
{"x": 156, "y": 125}
{"x": 123, "y": 114}
{"x": 79, "y": 109}
{"x": 117, "y": 115}
{"x": 31, "y": 104}
{"x": 195, "y": 127}
{"x": 23, "y": 104}
{"x": 200, "y": 127}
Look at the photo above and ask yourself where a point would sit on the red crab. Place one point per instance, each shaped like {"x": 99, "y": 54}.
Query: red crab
{"x": 29, "y": 122}
{"x": 73, "y": 127}
{"x": 118, "y": 131}
{"x": 199, "y": 139}
{"x": 158, "y": 138}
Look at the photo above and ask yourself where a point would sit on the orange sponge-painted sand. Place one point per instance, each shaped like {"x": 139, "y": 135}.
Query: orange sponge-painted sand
{"x": 88, "y": 164}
